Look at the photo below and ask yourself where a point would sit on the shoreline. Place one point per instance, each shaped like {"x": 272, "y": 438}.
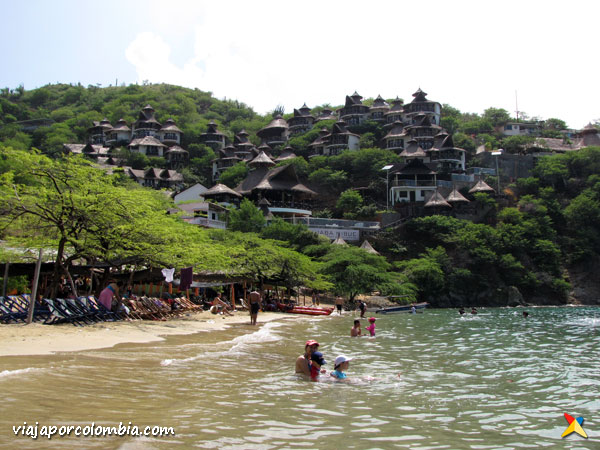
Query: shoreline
{"x": 39, "y": 339}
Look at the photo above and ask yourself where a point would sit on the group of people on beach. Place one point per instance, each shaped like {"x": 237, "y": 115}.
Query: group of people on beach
{"x": 310, "y": 363}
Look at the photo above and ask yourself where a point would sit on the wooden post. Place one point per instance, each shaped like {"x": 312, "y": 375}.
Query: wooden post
{"x": 5, "y": 280}
{"x": 244, "y": 287}
{"x": 34, "y": 288}
{"x": 170, "y": 288}
{"x": 232, "y": 296}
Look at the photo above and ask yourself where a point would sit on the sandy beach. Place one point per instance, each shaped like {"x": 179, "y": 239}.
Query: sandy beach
{"x": 38, "y": 339}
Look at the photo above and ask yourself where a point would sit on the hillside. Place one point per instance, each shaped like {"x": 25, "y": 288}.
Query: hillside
{"x": 538, "y": 242}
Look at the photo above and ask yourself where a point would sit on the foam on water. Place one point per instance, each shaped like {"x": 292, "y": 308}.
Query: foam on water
{"x": 10, "y": 373}
{"x": 240, "y": 344}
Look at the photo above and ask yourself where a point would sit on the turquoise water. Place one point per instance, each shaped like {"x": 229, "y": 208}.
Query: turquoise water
{"x": 427, "y": 381}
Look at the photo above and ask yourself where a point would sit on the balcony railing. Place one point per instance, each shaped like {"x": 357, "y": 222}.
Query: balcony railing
{"x": 204, "y": 222}
{"x": 412, "y": 183}
{"x": 333, "y": 223}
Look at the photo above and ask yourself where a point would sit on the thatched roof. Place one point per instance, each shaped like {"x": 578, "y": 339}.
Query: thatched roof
{"x": 481, "y": 186}
{"x": 282, "y": 178}
{"x": 170, "y": 126}
{"x": 220, "y": 189}
{"x": 262, "y": 160}
{"x": 146, "y": 140}
{"x": 366, "y": 246}
{"x": 339, "y": 241}
{"x": 413, "y": 150}
{"x": 287, "y": 153}
{"x": 455, "y": 197}
{"x": 437, "y": 200}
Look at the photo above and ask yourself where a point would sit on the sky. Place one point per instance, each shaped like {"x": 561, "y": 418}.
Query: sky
{"x": 538, "y": 56}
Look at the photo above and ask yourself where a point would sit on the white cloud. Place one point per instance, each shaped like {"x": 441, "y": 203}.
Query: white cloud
{"x": 472, "y": 55}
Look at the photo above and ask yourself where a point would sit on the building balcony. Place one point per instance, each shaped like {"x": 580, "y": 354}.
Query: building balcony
{"x": 413, "y": 183}
{"x": 207, "y": 223}
{"x": 214, "y": 138}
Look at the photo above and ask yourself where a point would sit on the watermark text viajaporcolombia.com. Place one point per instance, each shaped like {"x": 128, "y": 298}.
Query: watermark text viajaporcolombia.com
{"x": 92, "y": 430}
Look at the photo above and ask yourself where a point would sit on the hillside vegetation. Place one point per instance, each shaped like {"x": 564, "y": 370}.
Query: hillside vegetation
{"x": 538, "y": 243}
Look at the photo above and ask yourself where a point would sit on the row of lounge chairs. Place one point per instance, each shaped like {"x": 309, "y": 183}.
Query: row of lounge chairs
{"x": 87, "y": 310}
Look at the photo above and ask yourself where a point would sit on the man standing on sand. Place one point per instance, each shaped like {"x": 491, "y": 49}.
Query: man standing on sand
{"x": 254, "y": 299}
{"x": 303, "y": 362}
{"x": 339, "y": 302}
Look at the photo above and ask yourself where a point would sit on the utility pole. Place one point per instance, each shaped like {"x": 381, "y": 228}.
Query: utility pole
{"x": 497, "y": 154}
{"x": 387, "y": 185}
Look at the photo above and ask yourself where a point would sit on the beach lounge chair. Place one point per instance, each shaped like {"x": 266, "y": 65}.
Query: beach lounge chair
{"x": 61, "y": 313}
{"x": 82, "y": 311}
{"x": 8, "y": 314}
{"x": 91, "y": 304}
{"x": 21, "y": 303}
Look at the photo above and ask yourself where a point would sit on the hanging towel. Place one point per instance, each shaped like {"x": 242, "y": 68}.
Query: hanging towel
{"x": 186, "y": 278}
{"x": 168, "y": 274}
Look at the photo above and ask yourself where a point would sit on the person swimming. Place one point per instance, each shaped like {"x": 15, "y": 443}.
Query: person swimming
{"x": 355, "y": 330}
{"x": 340, "y": 365}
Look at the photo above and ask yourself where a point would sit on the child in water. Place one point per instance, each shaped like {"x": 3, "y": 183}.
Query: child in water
{"x": 355, "y": 331}
{"x": 371, "y": 327}
{"x": 317, "y": 360}
{"x": 341, "y": 363}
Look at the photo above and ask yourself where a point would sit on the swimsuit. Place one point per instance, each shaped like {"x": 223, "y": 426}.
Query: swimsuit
{"x": 314, "y": 371}
{"x": 339, "y": 307}
{"x": 338, "y": 374}
{"x": 254, "y": 307}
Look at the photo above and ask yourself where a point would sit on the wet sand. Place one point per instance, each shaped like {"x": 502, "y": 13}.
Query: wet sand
{"x": 38, "y": 339}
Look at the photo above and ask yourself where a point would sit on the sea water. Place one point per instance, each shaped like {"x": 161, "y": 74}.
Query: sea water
{"x": 436, "y": 380}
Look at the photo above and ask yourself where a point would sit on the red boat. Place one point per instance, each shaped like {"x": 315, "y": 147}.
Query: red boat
{"x": 310, "y": 310}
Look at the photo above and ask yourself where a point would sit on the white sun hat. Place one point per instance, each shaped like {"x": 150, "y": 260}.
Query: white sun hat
{"x": 341, "y": 359}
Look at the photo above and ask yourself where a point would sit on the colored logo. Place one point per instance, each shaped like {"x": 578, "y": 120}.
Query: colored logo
{"x": 574, "y": 426}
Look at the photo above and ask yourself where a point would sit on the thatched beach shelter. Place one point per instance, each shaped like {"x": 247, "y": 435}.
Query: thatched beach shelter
{"x": 437, "y": 201}
{"x": 456, "y": 197}
{"x": 366, "y": 246}
{"x": 482, "y": 186}
{"x": 339, "y": 241}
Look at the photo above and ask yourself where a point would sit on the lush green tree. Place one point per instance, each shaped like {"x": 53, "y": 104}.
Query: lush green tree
{"x": 354, "y": 271}
{"x": 233, "y": 176}
{"x": 296, "y": 235}
{"x": 81, "y": 212}
{"x": 517, "y": 144}
{"x": 497, "y": 116}
{"x": 477, "y": 126}
{"x": 349, "y": 203}
{"x": 247, "y": 218}
{"x": 555, "y": 124}
{"x": 461, "y": 140}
